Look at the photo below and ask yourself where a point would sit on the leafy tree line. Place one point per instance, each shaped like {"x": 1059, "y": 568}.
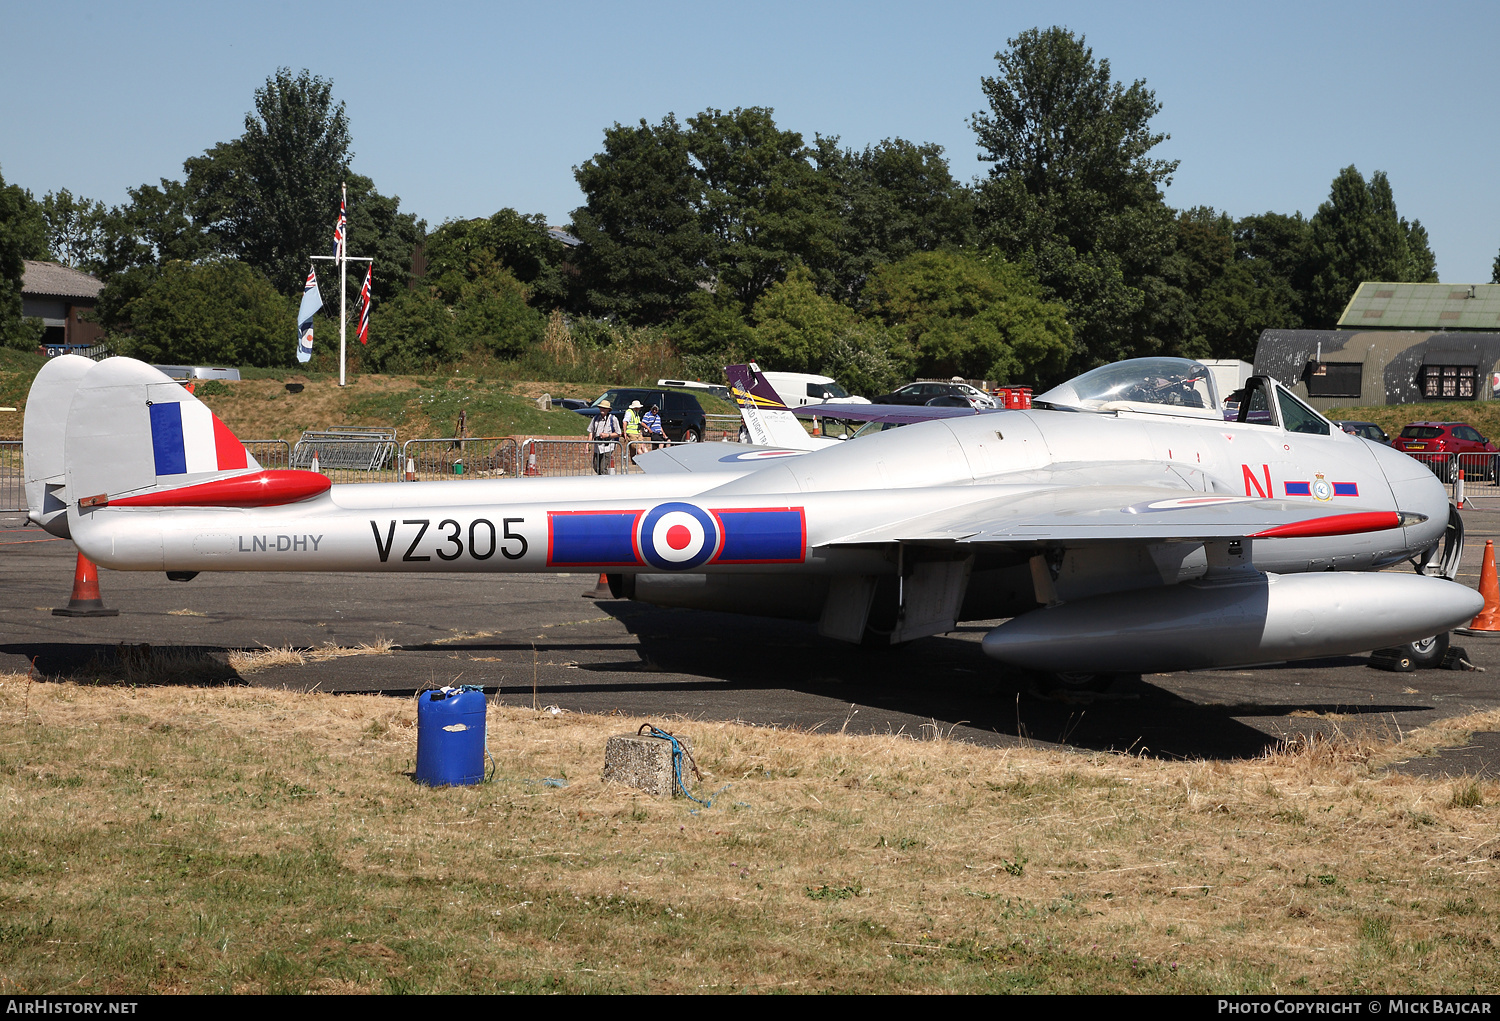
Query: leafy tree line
{"x": 210, "y": 268}
{"x": 732, "y": 237}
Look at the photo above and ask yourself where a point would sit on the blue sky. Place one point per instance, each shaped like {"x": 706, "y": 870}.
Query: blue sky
{"x": 465, "y": 108}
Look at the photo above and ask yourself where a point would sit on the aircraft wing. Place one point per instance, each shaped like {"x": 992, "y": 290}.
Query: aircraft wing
{"x": 711, "y": 457}
{"x": 1123, "y": 514}
{"x": 905, "y": 414}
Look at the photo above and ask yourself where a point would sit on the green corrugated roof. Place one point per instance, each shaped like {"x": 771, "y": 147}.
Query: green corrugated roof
{"x": 1377, "y": 306}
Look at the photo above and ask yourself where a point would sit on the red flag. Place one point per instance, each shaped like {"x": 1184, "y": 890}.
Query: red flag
{"x": 364, "y": 307}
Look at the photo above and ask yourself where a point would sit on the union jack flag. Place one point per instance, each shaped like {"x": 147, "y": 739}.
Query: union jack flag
{"x": 338, "y": 232}
{"x": 364, "y": 307}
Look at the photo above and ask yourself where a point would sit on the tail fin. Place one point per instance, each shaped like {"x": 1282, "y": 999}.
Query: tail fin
{"x": 131, "y": 428}
{"x": 766, "y": 417}
{"x": 133, "y": 436}
{"x": 42, "y": 445}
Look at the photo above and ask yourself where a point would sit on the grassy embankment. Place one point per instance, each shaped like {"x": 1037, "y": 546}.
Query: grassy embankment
{"x": 206, "y": 839}
{"x": 260, "y": 407}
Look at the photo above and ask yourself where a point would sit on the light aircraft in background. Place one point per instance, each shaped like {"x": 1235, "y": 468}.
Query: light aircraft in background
{"x": 1120, "y": 524}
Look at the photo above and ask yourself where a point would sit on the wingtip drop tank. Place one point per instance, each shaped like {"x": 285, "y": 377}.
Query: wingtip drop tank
{"x": 1245, "y": 621}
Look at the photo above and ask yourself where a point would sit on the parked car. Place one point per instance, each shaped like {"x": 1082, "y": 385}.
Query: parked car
{"x": 1366, "y": 430}
{"x": 682, "y": 417}
{"x": 1435, "y": 442}
{"x": 925, "y": 393}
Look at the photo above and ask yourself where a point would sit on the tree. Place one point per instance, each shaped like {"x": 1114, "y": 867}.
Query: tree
{"x": 892, "y": 199}
{"x": 1357, "y": 236}
{"x": 519, "y": 242}
{"x": 763, "y": 203}
{"x": 795, "y": 325}
{"x": 712, "y": 332}
{"x": 1074, "y": 192}
{"x": 730, "y": 202}
{"x": 272, "y": 195}
{"x": 23, "y": 235}
{"x": 491, "y": 310}
{"x": 799, "y": 330}
{"x": 644, "y": 247}
{"x": 218, "y": 312}
{"x": 379, "y": 230}
{"x": 412, "y": 332}
{"x": 75, "y": 229}
{"x": 975, "y": 316}
{"x": 155, "y": 227}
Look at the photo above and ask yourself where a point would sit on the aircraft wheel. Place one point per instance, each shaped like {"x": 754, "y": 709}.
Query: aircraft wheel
{"x": 1427, "y": 652}
{"x": 1059, "y": 682}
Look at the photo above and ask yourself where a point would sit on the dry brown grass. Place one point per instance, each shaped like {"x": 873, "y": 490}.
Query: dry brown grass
{"x": 249, "y": 661}
{"x": 189, "y": 839}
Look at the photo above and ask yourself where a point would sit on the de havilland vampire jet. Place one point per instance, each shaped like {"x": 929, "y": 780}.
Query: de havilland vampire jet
{"x": 1121, "y": 523}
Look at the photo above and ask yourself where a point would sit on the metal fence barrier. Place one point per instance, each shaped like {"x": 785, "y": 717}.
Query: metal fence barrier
{"x": 473, "y": 457}
{"x": 12, "y": 478}
{"x": 1481, "y": 471}
{"x": 722, "y": 427}
{"x": 270, "y": 453}
{"x": 362, "y": 449}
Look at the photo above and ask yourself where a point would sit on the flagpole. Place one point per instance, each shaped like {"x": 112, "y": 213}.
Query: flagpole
{"x": 341, "y": 260}
{"x": 343, "y": 281}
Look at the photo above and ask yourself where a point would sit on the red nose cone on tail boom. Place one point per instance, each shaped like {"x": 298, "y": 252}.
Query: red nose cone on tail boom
{"x": 269, "y": 488}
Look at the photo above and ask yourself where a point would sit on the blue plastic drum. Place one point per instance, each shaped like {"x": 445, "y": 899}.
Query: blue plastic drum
{"x": 450, "y": 737}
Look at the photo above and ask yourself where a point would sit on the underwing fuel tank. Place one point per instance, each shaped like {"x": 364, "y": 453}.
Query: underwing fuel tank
{"x": 1264, "y": 618}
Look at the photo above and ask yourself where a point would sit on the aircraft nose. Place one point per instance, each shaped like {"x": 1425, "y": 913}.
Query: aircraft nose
{"x": 1416, "y": 489}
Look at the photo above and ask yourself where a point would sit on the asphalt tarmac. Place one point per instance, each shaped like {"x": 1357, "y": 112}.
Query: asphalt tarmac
{"x": 538, "y": 638}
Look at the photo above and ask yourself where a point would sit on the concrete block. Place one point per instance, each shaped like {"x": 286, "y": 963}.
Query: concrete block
{"x": 644, "y": 762}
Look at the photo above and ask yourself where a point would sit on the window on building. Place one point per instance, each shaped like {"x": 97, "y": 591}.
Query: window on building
{"x": 1448, "y": 382}
{"x": 1338, "y": 379}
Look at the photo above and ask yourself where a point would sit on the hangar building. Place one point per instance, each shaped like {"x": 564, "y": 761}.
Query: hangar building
{"x": 1395, "y": 344}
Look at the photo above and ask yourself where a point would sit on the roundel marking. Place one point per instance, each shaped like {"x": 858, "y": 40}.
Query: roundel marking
{"x": 677, "y": 536}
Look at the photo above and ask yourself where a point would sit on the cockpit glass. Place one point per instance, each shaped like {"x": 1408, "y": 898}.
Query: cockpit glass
{"x": 1171, "y": 385}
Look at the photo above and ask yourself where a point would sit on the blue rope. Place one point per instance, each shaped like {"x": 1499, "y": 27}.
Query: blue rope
{"x": 677, "y": 753}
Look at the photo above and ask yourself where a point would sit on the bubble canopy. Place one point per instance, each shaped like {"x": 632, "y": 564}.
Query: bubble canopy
{"x": 1163, "y": 386}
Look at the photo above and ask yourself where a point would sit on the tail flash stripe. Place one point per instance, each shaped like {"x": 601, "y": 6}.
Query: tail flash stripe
{"x": 227, "y": 447}
{"x": 187, "y": 438}
{"x": 166, "y": 439}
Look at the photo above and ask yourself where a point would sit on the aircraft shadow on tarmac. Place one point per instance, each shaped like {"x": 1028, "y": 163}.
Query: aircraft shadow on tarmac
{"x": 127, "y": 662}
{"x": 938, "y": 678}
{"x": 943, "y": 679}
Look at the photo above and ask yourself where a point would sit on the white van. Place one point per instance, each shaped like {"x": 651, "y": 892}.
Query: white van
{"x": 797, "y": 389}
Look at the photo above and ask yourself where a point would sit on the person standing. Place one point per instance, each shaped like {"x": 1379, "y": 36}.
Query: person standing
{"x": 632, "y": 430}
{"x": 651, "y": 426}
{"x": 605, "y": 431}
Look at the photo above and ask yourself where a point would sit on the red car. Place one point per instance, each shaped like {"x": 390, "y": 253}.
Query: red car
{"x": 1436, "y": 442}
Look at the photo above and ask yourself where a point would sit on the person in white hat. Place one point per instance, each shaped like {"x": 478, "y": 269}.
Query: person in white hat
{"x": 604, "y": 430}
{"x": 633, "y": 430}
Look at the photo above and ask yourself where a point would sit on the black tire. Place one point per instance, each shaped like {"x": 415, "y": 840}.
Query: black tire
{"x": 1058, "y": 683}
{"x": 1426, "y": 653}
{"x": 690, "y": 436}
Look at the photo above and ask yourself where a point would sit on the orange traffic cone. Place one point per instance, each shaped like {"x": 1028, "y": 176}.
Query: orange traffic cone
{"x": 85, "y": 601}
{"x": 601, "y": 589}
{"x": 1489, "y": 587}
